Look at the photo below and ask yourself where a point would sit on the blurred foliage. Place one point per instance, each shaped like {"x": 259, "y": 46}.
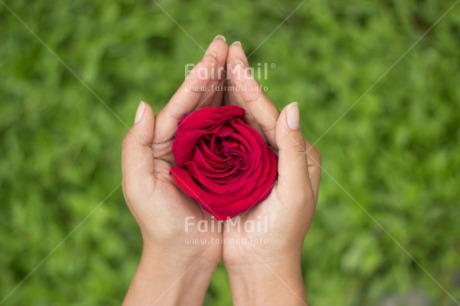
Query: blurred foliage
{"x": 391, "y": 177}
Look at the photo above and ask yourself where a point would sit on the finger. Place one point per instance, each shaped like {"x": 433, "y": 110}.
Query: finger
{"x": 219, "y": 47}
{"x": 314, "y": 167}
{"x": 257, "y": 103}
{"x": 213, "y": 94}
{"x": 218, "y": 96}
{"x": 195, "y": 90}
{"x": 233, "y": 97}
{"x": 293, "y": 179}
{"x": 235, "y": 51}
{"x": 137, "y": 158}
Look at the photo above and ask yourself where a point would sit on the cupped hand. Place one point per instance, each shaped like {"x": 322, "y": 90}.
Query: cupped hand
{"x": 262, "y": 247}
{"x": 167, "y": 217}
{"x": 282, "y": 220}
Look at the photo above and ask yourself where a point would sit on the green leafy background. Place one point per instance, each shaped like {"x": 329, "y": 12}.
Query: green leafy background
{"x": 389, "y": 199}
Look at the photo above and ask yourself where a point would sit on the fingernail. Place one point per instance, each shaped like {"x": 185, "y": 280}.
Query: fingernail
{"x": 237, "y": 43}
{"x": 140, "y": 112}
{"x": 239, "y": 62}
{"x": 292, "y": 114}
{"x": 212, "y": 54}
{"x": 220, "y": 37}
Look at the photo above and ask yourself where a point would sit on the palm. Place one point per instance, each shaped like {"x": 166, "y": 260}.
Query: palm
{"x": 162, "y": 209}
{"x": 180, "y": 205}
{"x": 158, "y": 205}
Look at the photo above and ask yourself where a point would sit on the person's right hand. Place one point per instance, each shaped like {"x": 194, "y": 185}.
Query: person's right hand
{"x": 178, "y": 258}
{"x": 267, "y": 256}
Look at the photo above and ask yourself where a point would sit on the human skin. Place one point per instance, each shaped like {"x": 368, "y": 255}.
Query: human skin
{"x": 172, "y": 272}
{"x": 268, "y": 271}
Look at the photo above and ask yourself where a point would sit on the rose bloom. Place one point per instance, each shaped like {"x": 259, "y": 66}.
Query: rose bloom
{"x": 221, "y": 162}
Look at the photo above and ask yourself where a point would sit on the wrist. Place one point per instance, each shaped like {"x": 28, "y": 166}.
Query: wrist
{"x": 178, "y": 260}
{"x": 248, "y": 253}
{"x": 268, "y": 282}
{"x": 264, "y": 266}
{"x": 185, "y": 248}
{"x": 165, "y": 277}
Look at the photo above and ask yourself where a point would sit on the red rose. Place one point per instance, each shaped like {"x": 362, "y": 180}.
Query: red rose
{"x": 221, "y": 162}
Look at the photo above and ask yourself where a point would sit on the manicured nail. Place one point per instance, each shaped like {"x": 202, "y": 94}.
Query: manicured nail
{"x": 140, "y": 112}
{"x": 292, "y": 114}
{"x": 239, "y": 62}
{"x": 236, "y": 43}
{"x": 220, "y": 37}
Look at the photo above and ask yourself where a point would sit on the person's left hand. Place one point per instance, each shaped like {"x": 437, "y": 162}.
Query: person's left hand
{"x": 271, "y": 246}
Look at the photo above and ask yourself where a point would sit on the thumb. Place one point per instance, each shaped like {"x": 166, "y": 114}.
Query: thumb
{"x": 292, "y": 158}
{"x": 137, "y": 157}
